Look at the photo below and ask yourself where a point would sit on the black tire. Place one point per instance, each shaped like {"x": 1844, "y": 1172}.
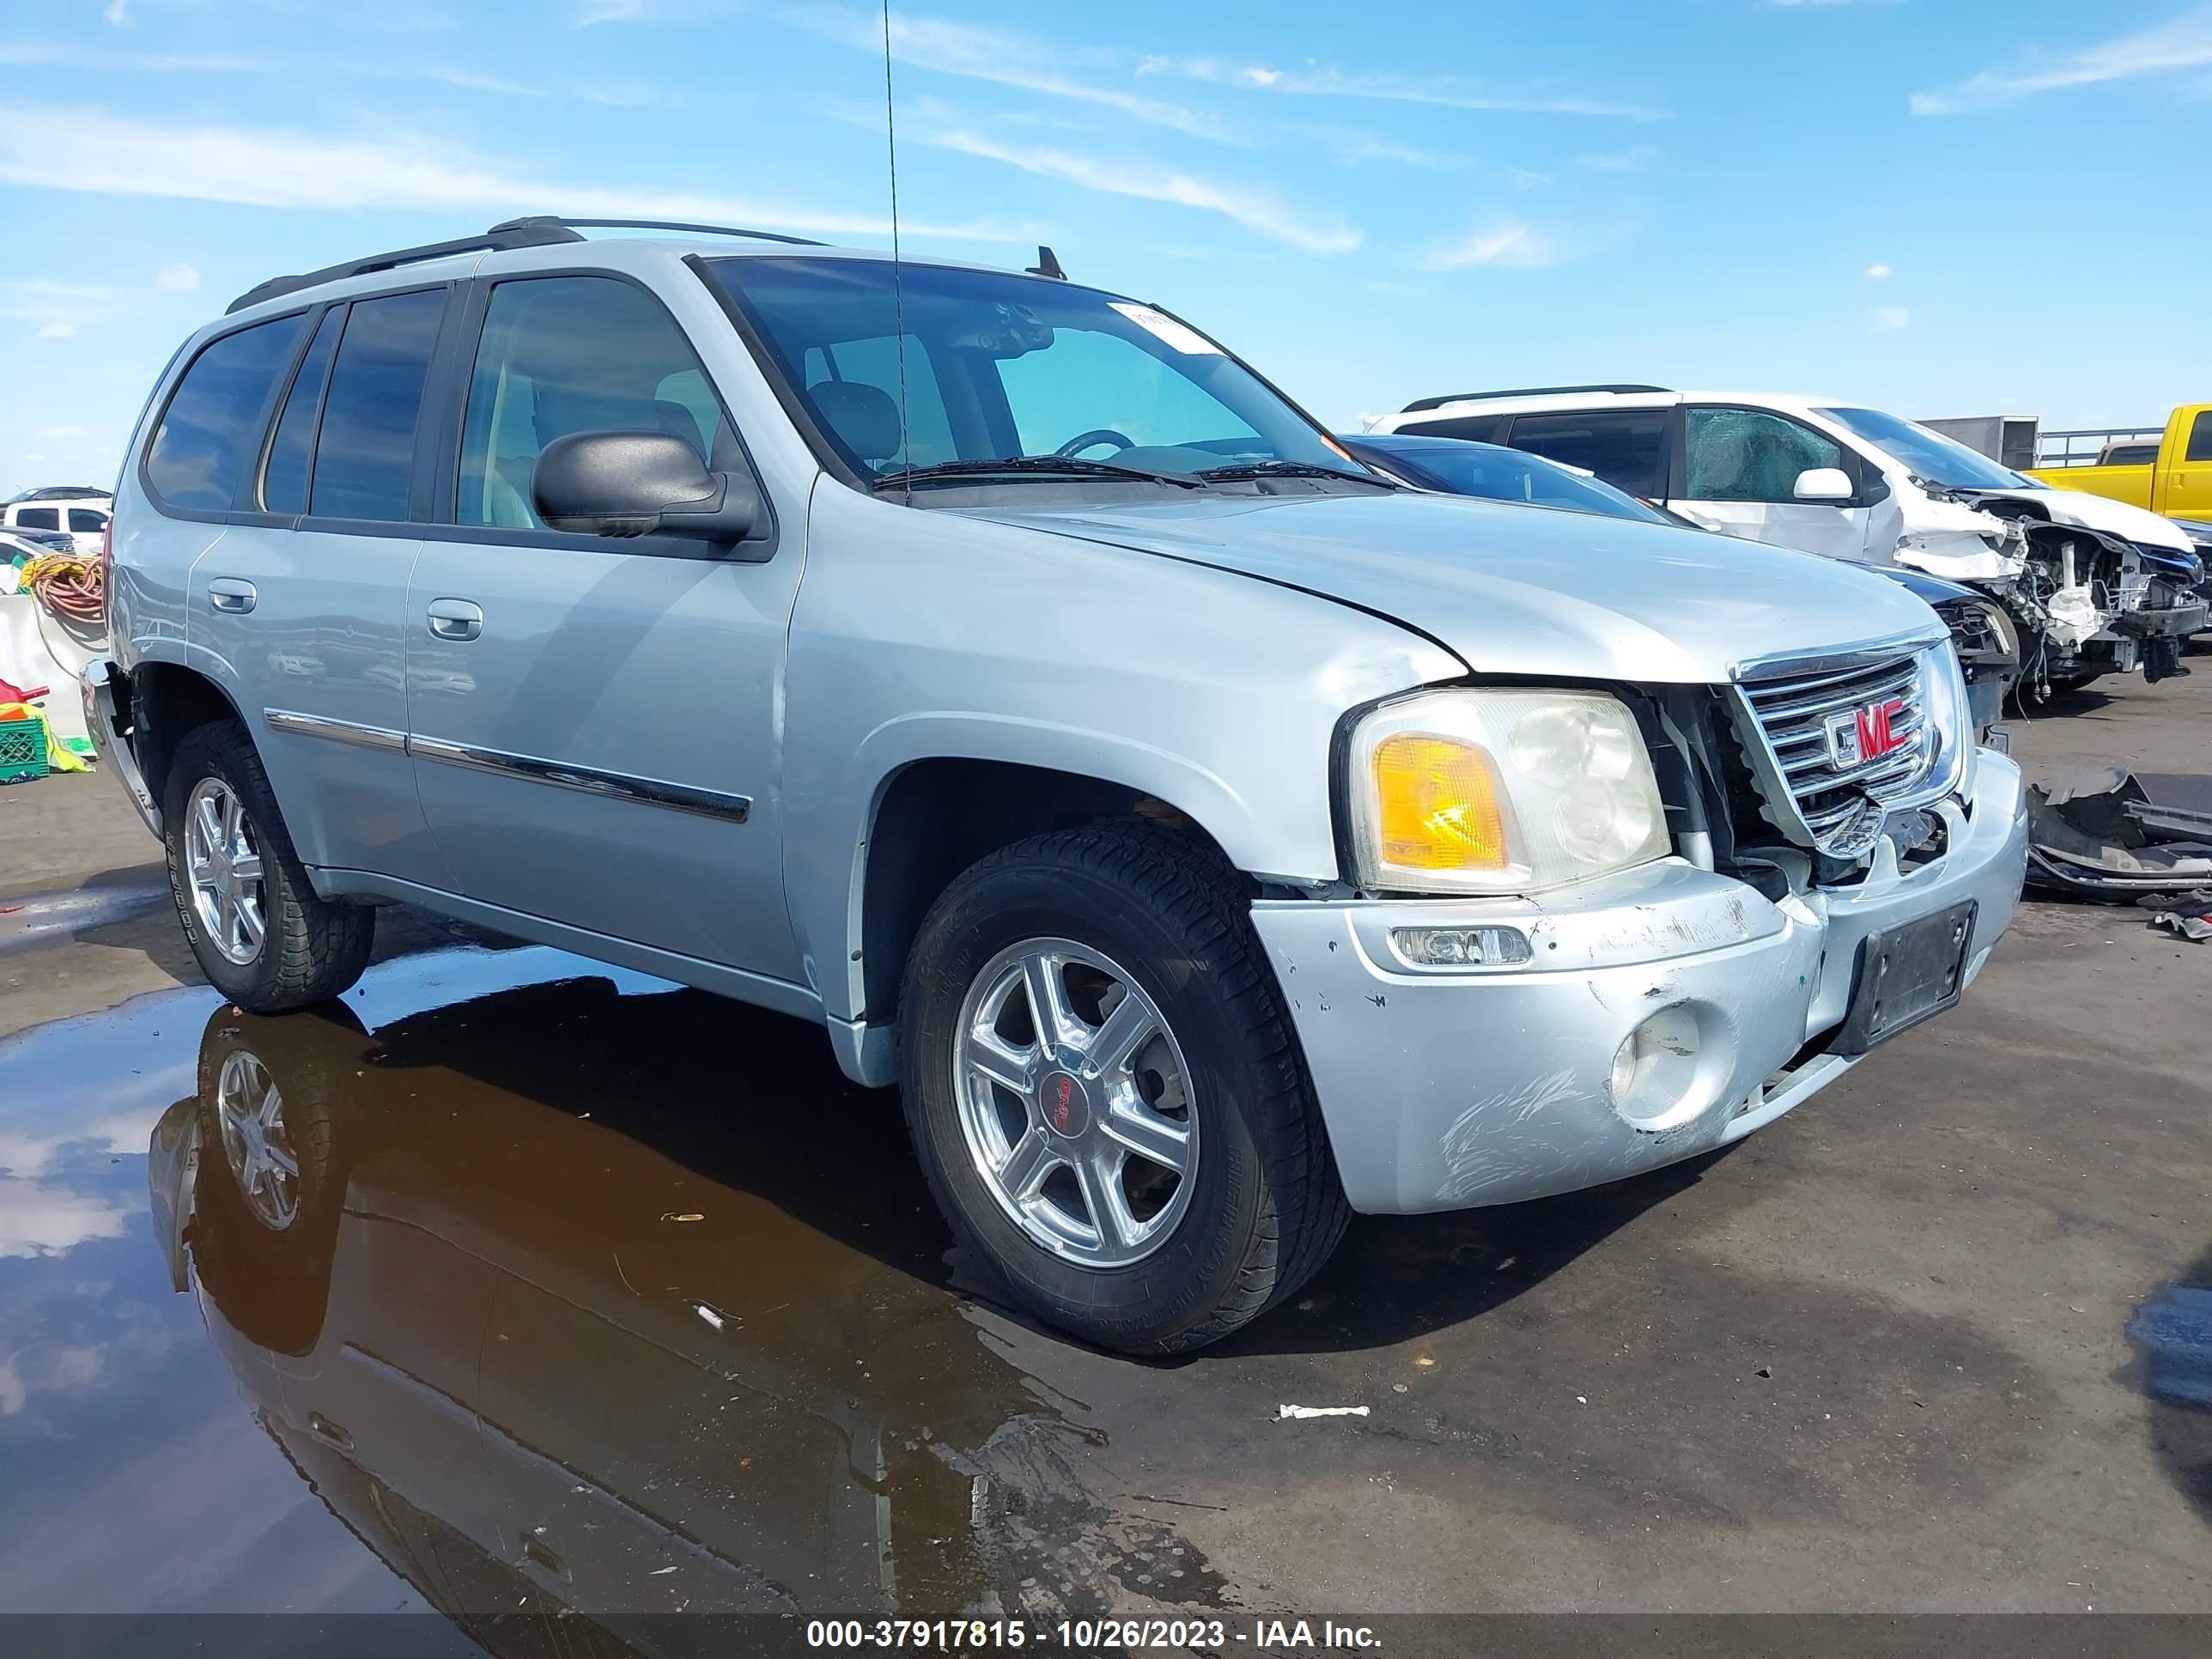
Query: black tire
{"x": 311, "y": 949}
{"x": 1266, "y": 1206}
{"x": 272, "y": 1283}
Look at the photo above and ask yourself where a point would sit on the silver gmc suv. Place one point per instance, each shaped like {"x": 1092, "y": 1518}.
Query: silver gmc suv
{"x": 1210, "y": 836}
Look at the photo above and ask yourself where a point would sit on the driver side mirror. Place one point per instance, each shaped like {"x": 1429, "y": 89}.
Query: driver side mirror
{"x": 639, "y": 483}
{"x": 1830, "y": 485}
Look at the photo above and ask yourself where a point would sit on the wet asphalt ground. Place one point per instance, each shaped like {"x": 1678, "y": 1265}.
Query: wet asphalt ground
{"x": 608, "y": 1296}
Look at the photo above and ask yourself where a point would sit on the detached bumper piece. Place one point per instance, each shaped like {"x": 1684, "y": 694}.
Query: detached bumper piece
{"x": 108, "y": 716}
{"x": 2106, "y": 832}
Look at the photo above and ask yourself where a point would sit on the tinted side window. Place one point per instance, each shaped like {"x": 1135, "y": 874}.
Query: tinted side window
{"x": 2200, "y": 436}
{"x": 212, "y": 428}
{"x": 365, "y": 453}
{"x": 39, "y": 518}
{"x": 1749, "y": 455}
{"x": 87, "y": 519}
{"x": 1624, "y": 447}
{"x": 1481, "y": 428}
{"x": 562, "y": 355}
{"x": 284, "y": 479}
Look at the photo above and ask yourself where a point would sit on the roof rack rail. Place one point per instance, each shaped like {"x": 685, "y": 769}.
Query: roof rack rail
{"x": 520, "y": 233}
{"x": 1420, "y": 404}
{"x": 656, "y": 224}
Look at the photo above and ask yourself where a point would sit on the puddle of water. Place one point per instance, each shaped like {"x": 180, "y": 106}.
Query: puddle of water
{"x": 552, "y": 1287}
{"x": 2173, "y": 1330}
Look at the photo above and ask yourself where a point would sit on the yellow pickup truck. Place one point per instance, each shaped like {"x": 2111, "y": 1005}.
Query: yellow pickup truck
{"x": 2168, "y": 472}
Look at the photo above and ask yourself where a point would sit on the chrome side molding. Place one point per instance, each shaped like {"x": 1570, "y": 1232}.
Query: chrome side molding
{"x": 314, "y": 725}
{"x": 588, "y": 780}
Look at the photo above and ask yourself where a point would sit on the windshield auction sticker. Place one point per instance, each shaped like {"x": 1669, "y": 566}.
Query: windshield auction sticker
{"x": 1166, "y": 330}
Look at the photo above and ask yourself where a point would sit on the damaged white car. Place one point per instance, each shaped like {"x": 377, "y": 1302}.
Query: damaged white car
{"x": 2091, "y": 586}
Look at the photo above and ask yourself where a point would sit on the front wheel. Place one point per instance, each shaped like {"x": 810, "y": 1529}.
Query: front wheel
{"x": 1104, "y": 1093}
{"x": 254, "y": 924}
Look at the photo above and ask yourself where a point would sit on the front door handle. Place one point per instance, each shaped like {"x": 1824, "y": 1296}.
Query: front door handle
{"x": 455, "y": 619}
{"x": 232, "y": 594}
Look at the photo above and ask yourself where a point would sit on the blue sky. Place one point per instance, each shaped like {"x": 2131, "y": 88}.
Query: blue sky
{"x": 1935, "y": 206}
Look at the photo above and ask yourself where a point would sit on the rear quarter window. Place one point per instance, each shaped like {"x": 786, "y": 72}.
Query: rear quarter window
{"x": 1624, "y": 447}
{"x": 211, "y": 432}
{"x": 38, "y": 517}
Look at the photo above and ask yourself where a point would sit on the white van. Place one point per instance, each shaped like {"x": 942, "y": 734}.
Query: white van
{"x": 2095, "y": 586}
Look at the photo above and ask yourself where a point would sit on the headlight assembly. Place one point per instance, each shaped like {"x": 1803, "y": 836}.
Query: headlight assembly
{"x": 1500, "y": 791}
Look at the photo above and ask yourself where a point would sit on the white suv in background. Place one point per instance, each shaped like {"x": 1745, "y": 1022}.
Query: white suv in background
{"x": 2095, "y": 586}
{"x": 80, "y": 514}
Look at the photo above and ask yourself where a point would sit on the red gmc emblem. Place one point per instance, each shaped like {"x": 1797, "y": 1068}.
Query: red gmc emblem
{"x": 1859, "y": 735}
{"x": 1059, "y": 1106}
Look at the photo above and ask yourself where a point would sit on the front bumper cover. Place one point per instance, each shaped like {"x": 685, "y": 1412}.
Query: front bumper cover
{"x": 1448, "y": 1090}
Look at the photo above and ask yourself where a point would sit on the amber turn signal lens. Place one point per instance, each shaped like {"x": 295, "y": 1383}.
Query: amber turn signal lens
{"x": 1438, "y": 802}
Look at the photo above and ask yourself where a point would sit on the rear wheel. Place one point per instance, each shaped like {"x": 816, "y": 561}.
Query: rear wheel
{"x": 1104, "y": 1091}
{"x": 254, "y": 924}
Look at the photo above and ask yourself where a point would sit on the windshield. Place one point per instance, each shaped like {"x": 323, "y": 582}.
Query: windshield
{"x": 1931, "y": 457}
{"x": 990, "y": 367}
{"x": 1499, "y": 474}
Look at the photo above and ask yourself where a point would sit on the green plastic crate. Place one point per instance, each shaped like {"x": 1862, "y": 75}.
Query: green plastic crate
{"x": 22, "y": 750}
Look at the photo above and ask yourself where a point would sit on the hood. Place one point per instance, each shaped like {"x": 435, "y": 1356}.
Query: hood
{"x": 1520, "y": 590}
{"x": 2078, "y": 507}
{"x": 1932, "y": 589}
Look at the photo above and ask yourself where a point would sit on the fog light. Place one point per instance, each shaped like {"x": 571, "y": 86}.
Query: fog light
{"x": 1461, "y": 947}
{"x": 1655, "y": 1071}
{"x": 1624, "y": 1066}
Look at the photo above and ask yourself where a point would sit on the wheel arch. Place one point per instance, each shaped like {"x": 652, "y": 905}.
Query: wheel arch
{"x": 168, "y": 701}
{"x": 930, "y": 817}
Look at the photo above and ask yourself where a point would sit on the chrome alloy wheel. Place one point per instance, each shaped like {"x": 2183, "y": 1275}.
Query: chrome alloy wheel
{"x": 254, "y": 1138}
{"x": 223, "y": 862}
{"x": 1075, "y": 1102}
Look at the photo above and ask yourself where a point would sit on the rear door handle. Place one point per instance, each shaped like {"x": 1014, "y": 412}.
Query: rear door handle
{"x": 455, "y": 619}
{"x": 232, "y": 594}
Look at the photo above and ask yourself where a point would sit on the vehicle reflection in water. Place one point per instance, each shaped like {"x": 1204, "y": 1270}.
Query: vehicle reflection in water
{"x": 573, "y": 1302}
{"x": 2173, "y": 1331}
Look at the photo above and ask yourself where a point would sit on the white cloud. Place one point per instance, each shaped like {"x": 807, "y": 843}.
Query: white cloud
{"x": 2181, "y": 43}
{"x": 115, "y": 13}
{"x": 1887, "y": 318}
{"x": 1443, "y": 91}
{"x": 1634, "y": 159}
{"x": 36, "y": 1219}
{"x": 1878, "y": 273}
{"x": 30, "y": 459}
{"x": 57, "y": 332}
{"x": 51, "y": 1370}
{"x": 105, "y": 154}
{"x": 1251, "y": 209}
{"x": 1527, "y": 179}
{"x": 178, "y": 275}
{"x": 101, "y": 60}
{"x": 944, "y": 47}
{"x": 1515, "y": 247}
{"x": 608, "y": 11}
{"x": 61, "y": 432}
{"x": 1354, "y": 148}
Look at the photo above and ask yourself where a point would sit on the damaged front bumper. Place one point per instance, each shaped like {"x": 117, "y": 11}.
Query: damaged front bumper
{"x": 1451, "y": 1088}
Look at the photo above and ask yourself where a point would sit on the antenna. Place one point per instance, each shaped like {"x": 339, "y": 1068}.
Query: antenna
{"x": 898, "y": 284}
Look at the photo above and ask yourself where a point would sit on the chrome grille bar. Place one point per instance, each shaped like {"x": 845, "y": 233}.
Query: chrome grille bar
{"x": 1783, "y": 714}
